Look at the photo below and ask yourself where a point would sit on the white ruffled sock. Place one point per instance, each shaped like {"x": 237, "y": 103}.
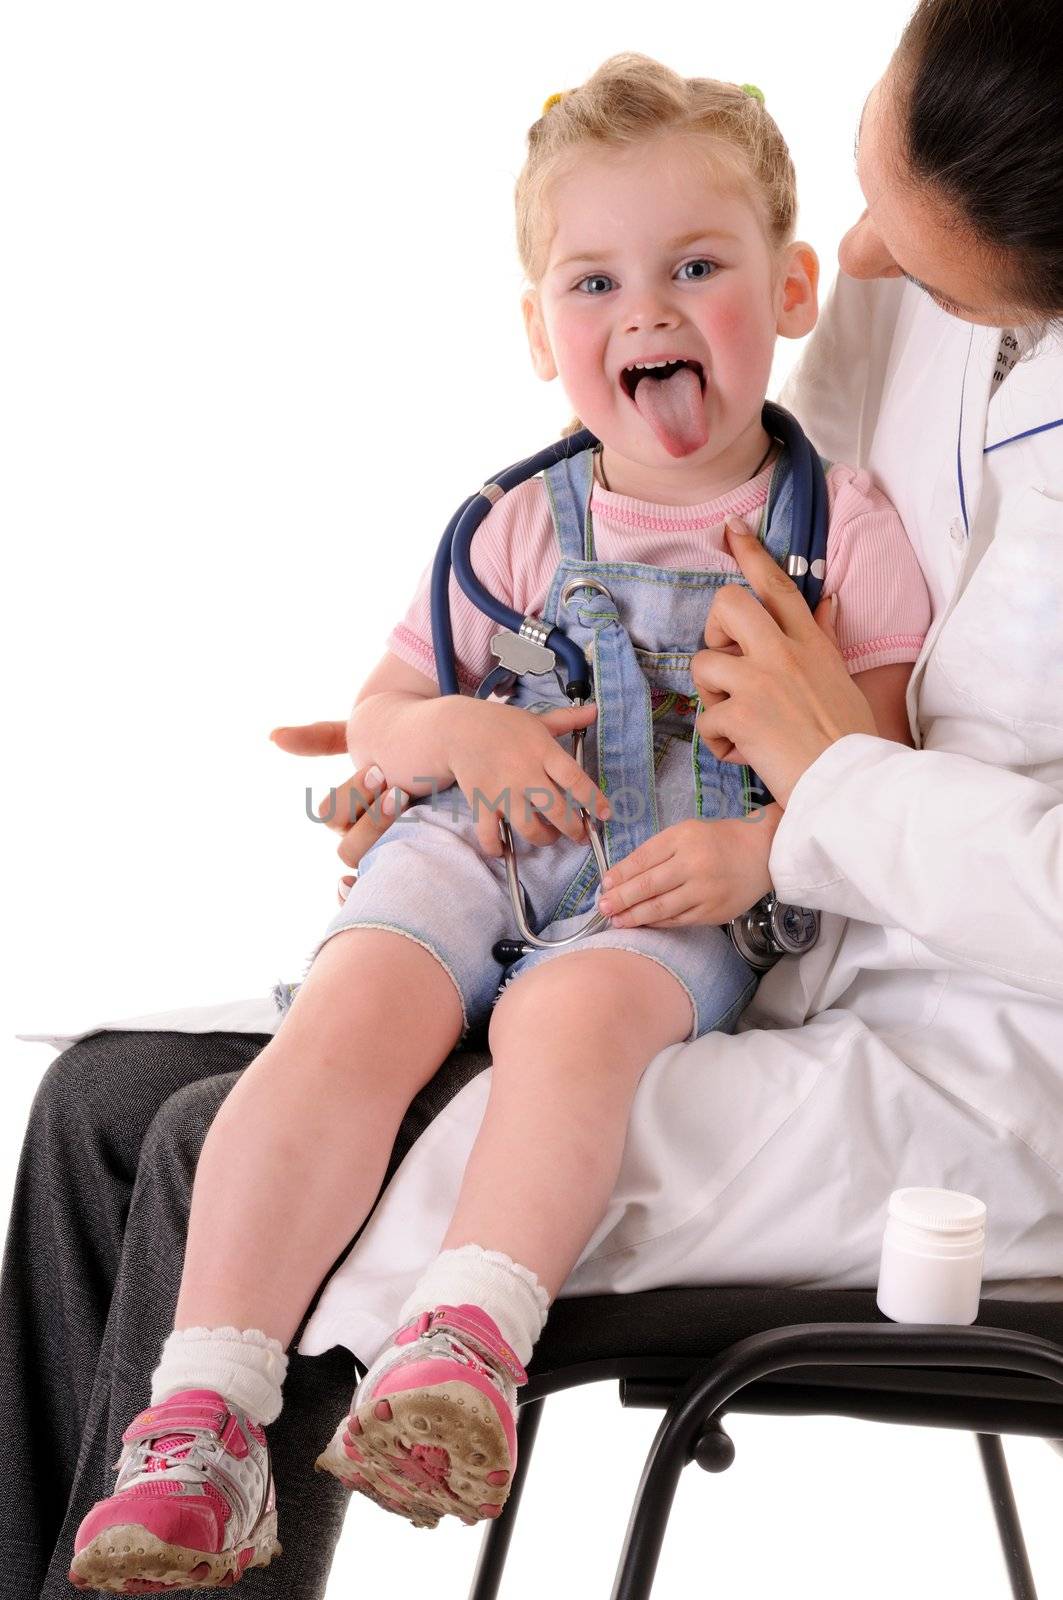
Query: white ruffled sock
{"x": 510, "y": 1294}
{"x": 243, "y": 1366}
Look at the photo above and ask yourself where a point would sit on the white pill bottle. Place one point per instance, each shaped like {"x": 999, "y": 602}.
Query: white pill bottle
{"x": 932, "y": 1251}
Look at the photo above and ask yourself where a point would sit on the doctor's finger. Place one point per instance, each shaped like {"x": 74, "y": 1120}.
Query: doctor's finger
{"x": 737, "y": 618}
{"x": 346, "y": 802}
{"x": 723, "y": 750}
{"x": 312, "y": 739}
{"x": 780, "y": 595}
{"x": 720, "y": 728}
{"x": 365, "y": 832}
{"x": 717, "y": 675}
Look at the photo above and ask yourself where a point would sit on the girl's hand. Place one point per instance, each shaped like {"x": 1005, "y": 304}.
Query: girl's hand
{"x": 507, "y": 760}
{"x": 694, "y": 871}
{"x": 775, "y": 688}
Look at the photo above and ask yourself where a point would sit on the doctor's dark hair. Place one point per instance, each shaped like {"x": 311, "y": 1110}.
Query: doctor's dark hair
{"x": 631, "y": 99}
{"x": 980, "y": 98}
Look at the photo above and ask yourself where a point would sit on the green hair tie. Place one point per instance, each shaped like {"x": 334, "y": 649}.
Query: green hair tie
{"x": 752, "y": 90}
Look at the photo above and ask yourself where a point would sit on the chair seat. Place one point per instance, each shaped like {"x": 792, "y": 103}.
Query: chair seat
{"x": 700, "y": 1322}
{"x": 653, "y": 1341}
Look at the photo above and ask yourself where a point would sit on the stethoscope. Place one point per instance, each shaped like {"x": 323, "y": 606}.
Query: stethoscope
{"x": 767, "y": 930}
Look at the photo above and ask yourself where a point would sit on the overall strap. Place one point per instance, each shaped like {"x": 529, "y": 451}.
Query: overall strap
{"x": 623, "y": 729}
{"x": 568, "y": 491}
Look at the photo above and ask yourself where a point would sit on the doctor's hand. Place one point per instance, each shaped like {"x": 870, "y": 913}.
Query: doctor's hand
{"x": 694, "y": 871}
{"x": 354, "y": 808}
{"x": 773, "y": 683}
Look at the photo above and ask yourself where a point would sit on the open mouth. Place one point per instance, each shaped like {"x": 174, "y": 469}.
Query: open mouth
{"x": 633, "y": 375}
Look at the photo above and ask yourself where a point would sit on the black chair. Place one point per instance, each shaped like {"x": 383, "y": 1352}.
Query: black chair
{"x": 701, "y": 1353}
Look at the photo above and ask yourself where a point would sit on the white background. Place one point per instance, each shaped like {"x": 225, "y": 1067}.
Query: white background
{"x": 260, "y": 334}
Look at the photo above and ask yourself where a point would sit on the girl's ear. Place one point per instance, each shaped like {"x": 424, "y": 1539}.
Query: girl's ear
{"x": 538, "y": 341}
{"x": 798, "y": 306}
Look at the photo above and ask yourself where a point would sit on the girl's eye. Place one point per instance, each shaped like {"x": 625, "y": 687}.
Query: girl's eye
{"x": 697, "y": 270}
{"x": 595, "y": 283}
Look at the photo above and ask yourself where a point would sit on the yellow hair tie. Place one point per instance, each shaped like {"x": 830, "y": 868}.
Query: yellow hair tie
{"x": 752, "y": 90}
{"x": 553, "y": 100}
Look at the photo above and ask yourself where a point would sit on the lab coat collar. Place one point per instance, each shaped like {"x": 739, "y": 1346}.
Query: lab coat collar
{"x": 1028, "y": 405}
{"x": 976, "y": 385}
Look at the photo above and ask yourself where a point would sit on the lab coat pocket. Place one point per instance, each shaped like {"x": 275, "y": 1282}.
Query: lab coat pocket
{"x": 1001, "y": 651}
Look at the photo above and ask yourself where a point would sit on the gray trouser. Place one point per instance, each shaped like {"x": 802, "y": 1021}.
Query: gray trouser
{"x": 90, "y": 1279}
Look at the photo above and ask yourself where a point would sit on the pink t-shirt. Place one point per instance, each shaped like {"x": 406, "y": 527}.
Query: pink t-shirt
{"x": 883, "y": 604}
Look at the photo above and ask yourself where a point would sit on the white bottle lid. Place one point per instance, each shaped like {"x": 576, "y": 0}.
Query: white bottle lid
{"x": 938, "y": 1211}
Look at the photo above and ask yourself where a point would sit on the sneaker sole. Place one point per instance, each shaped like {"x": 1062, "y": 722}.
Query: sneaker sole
{"x": 127, "y": 1559}
{"x": 425, "y": 1453}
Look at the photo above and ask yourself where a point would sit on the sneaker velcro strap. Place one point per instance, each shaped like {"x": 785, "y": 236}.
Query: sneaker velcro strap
{"x": 234, "y": 1440}
{"x": 495, "y": 1348}
{"x": 175, "y": 1418}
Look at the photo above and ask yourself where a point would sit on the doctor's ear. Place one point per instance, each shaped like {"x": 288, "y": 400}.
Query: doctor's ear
{"x": 538, "y": 342}
{"x": 798, "y": 306}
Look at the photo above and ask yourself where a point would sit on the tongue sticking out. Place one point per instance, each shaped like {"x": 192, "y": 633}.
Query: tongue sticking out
{"x": 675, "y": 410}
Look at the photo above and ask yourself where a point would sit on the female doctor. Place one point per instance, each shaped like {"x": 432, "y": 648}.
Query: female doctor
{"x": 921, "y": 1041}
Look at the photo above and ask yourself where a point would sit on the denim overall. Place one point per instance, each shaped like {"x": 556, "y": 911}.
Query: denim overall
{"x": 426, "y": 877}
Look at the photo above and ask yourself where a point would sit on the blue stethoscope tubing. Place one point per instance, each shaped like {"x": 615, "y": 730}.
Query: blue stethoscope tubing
{"x": 806, "y": 565}
{"x": 808, "y": 546}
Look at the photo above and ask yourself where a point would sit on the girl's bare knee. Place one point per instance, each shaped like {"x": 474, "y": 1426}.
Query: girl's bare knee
{"x": 372, "y": 992}
{"x": 377, "y": 1010}
{"x": 614, "y": 1001}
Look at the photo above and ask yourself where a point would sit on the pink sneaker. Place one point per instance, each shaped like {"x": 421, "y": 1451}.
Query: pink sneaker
{"x": 193, "y": 1506}
{"x": 432, "y": 1427}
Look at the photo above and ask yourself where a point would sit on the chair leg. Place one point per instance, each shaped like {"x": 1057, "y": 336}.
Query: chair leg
{"x": 1006, "y": 1512}
{"x": 495, "y": 1545}
{"x": 825, "y": 1344}
{"x": 650, "y": 1512}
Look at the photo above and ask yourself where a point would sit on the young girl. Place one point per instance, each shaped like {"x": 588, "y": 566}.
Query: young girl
{"x": 655, "y": 220}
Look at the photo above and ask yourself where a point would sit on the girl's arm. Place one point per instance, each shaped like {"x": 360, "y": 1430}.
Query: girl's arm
{"x": 884, "y": 690}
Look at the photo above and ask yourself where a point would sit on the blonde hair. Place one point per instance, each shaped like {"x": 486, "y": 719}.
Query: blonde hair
{"x": 632, "y": 98}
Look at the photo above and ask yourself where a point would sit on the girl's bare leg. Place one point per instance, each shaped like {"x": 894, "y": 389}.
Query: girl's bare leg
{"x": 297, "y": 1153}
{"x": 569, "y": 1042}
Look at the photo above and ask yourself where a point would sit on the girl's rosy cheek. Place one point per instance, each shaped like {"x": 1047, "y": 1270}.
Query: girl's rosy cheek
{"x": 578, "y": 340}
{"x": 740, "y": 329}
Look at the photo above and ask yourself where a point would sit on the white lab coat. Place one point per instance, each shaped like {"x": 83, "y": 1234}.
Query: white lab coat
{"x": 921, "y": 1041}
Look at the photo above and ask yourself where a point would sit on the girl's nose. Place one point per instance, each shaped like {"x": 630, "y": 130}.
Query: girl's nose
{"x": 650, "y": 313}
{"x": 862, "y": 253}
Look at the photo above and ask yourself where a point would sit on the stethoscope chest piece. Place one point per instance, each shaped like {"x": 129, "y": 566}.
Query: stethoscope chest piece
{"x": 771, "y": 929}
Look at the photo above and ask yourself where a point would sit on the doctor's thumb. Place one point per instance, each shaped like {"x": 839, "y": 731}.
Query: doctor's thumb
{"x": 826, "y": 615}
